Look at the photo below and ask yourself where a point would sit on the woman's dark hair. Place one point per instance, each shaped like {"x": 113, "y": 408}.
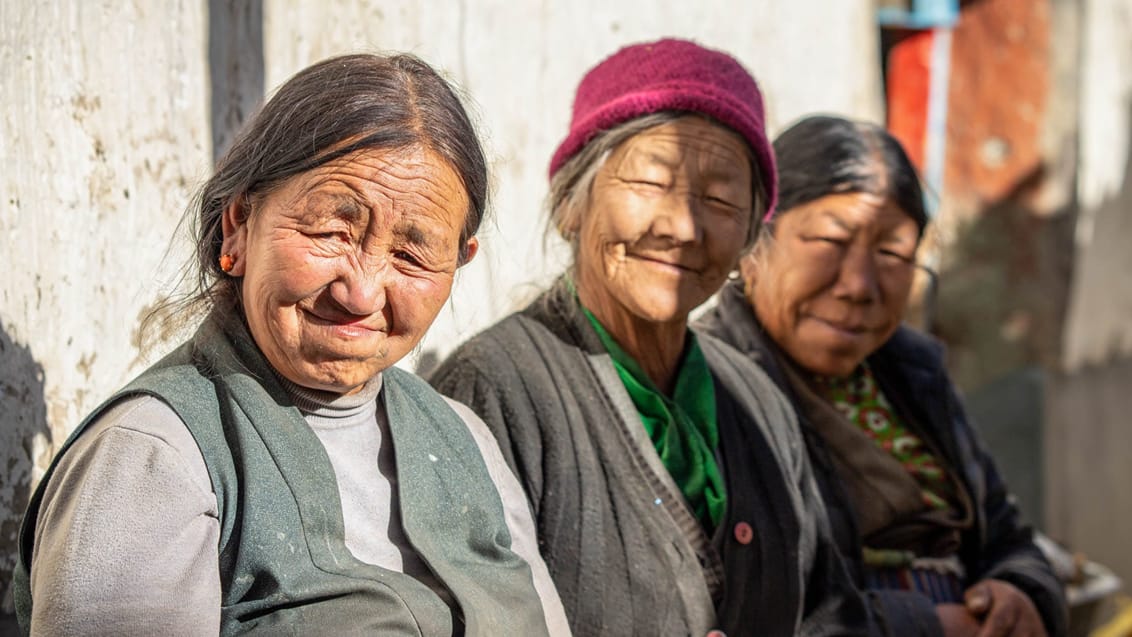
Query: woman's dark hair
{"x": 333, "y": 108}
{"x": 823, "y": 155}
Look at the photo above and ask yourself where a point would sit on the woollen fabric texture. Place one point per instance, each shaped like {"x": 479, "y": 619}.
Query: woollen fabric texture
{"x": 671, "y": 75}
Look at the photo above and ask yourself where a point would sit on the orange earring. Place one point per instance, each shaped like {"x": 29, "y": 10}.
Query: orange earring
{"x": 226, "y": 262}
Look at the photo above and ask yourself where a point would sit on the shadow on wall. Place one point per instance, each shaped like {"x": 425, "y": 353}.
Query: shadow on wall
{"x": 1004, "y": 287}
{"x": 23, "y": 437}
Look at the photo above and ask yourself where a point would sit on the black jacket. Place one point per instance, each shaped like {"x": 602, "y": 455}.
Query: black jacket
{"x": 911, "y": 372}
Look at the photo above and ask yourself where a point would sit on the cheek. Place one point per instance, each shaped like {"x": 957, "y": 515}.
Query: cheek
{"x": 618, "y": 218}
{"x": 897, "y": 291}
{"x": 417, "y": 301}
{"x": 291, "y": 271}
{"x": 727, "y": 243}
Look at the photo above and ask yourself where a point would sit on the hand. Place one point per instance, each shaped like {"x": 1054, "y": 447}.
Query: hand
{"x": 957, "y": 620}
{"x": 1003, "y": 610}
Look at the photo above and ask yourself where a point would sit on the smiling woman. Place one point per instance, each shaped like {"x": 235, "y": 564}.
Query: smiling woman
{"x": 917, "y": 506}
{"x": 667, "y": 481}
{"x": 346, "y": 266}
{"x": 276, "y": 474}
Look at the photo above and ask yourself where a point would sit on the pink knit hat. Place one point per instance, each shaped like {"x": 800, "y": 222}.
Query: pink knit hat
{"x": 675, "y": 75}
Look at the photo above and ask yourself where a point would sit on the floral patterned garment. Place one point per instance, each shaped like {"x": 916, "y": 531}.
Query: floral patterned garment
{"x": 858, "y": 397}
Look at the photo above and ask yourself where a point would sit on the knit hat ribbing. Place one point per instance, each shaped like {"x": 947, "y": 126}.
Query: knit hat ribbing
{"x": 665, "y": 75}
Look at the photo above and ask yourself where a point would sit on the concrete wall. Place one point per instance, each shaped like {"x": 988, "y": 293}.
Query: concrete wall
{"x": 106, "y": 132}
{"x": 103, "y": 135}
{"x": 1099, "y": 327}
{"x": 1089, "y": 435}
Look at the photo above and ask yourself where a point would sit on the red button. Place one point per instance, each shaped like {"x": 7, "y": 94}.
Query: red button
{"x": 717, "y": 633}
{"x": 743, "y": 533}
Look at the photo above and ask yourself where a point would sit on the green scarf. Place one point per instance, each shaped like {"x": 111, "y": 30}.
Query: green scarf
{"x": 682, "y": 428}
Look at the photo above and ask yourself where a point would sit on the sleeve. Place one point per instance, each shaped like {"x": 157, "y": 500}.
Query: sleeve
{"x": 1009, "y": 553}
{"x": 520, "y": 524}
{"x": 900, "y": 613}
{"x": 127, "y": 537}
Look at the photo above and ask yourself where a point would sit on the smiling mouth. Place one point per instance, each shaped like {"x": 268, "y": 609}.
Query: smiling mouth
{"x": 665, "y": 263}
{"x": 852, "y": 330}
{"x": 355, "y": 325}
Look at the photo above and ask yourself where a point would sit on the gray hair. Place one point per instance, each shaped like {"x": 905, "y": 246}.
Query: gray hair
{"x": 571, "y": 187}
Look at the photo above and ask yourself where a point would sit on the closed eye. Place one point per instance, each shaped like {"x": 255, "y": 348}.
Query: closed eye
{"x": 829, "y": 239}
{"x": 330, "y": 235}
{"x": 647, "y": 183}
{"x": 892, "y": 254}
{"x": 719, "y": 201}
{"x": 407, "y": 257}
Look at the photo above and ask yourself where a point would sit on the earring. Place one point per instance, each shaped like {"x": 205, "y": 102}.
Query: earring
{"x": 226, "y": 262}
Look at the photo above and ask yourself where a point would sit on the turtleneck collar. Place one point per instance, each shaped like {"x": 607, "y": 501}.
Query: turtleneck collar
{"x": 328, "y": 407}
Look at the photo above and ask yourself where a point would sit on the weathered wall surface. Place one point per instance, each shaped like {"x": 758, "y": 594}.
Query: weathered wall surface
{"x": 102, "y": 136}
{"x": 1089, "y": 436}
{"x": 520, "y": 62}
{"x": 1098, "y": 328}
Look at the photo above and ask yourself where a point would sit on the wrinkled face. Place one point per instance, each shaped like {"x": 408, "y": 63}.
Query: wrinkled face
{"x": 669, "y": 213}
{"x": 345, "y": 266}
{"x": 832, "y": 286}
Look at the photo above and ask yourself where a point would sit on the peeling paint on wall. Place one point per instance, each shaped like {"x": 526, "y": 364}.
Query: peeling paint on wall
{"x": 103, "y": 135}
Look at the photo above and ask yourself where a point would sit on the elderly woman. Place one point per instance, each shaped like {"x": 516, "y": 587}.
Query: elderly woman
{"x": 916, "y": 502}
{"x": 671, "y": 493}
{"x": 275, "y": 474}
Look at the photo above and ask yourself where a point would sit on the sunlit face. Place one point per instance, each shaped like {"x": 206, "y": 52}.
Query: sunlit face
{"x": 345, "y": 266}
{"x": 833, "y": 285}
{"x": 669, "y": 213}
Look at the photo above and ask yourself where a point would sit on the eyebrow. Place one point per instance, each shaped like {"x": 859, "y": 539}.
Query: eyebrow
{"x": 338, "y": 205}
{"x": 838, "y": 221}
{"x": 652, "y": 157}
{"x": 414, "y": 235}
{"x": 347, "y": 209}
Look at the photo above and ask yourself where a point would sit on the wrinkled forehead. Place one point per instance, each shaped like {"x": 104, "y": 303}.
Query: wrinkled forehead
{"x": 851, "y": 211}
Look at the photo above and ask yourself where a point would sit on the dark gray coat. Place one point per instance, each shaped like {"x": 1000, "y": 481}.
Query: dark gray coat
{"x": 911, "y": 372}
{"x": 625, "y": 551}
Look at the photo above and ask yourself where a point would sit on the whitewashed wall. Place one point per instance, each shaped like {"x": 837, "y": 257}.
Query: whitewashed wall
{"x": 104, "y": 134}
{"x": 1087, "y": 434}
{"x": 520, "y": 62}
{"x": 1098, "y": 327}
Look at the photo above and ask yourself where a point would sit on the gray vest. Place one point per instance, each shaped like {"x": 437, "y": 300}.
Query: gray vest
{"x": 275, "y": 487}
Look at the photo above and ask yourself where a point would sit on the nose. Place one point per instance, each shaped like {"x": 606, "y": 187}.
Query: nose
{"x": 678, "y": 218}
{"x": 857, "y": 280}
{"x": 360, "y": 286}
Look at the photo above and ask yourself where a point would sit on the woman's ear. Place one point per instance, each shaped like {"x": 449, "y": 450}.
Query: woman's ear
{"x": 748, "y": 268}
{"x": 471, "y": 247}
{"x": 234, "y": 225}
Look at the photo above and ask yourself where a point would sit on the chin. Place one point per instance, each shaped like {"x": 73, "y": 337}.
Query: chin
{"x": 661, "y": 307}
{"x": 836, "y": 367}
{"x": 340, "y": 377}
